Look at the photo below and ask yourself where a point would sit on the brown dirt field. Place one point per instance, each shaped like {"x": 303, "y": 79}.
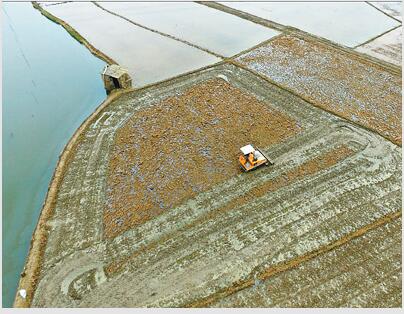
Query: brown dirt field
{"x": 331, "y": 181}
{"x": 310, "y": 167}
{"x": 343, "y": 84}
{"x": 182, "y": 146}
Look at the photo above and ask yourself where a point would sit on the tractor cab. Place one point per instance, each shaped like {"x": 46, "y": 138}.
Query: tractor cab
{"x": 252, "y": 158}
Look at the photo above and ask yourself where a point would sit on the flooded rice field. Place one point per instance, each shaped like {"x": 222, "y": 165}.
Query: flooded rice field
{"x": 387, "y": 47}
{"x": 148, "y": 56}
{"x": 220, "y": 32}
{"x": 392, "y": 8}
{"x": 41, "y": 110}
{"x": 346, "y": 23}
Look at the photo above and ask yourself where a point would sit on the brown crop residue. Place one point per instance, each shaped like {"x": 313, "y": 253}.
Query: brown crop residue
{"x": 182, "y": 146}
{"x": 344, "y": 84}
{"x": 310, "y": 167}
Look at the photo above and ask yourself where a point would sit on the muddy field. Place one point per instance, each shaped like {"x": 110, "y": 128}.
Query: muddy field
{"x": 387, "y": 47}
{"x": 353, "y": 275}
{"x": 154, "y": 185}
{"x": 351, "y": 87}
{"x": 182, "y": 146}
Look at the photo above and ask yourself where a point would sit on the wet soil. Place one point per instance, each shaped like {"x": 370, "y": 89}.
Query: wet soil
{"x": 183, "y": 146}
{"x": 345, "y": 277}
{"x": 330, "y": 181}
{"x": 350, "y": 87}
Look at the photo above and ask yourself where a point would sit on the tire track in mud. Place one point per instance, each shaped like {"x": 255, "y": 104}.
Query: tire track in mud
{"x": 272, "y": 228}
{"x": 37, "y": 251}
{"x": 216, "y": 209}
{"x": 161, "y": 246}
{"x": 306, "y": 169}
{"x": 335, "y": 278}
{"x": 272, "y": 271}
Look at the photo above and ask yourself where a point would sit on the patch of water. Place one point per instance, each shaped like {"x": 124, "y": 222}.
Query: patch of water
{"x": 51, "y": 83}
{"x": 346, "y": 23}
{"x": 220, "y": 32}
{"x": 148, "y": 56}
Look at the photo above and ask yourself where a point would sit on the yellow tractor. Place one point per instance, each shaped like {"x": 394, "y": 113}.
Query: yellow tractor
{"x": 252, "y": 158}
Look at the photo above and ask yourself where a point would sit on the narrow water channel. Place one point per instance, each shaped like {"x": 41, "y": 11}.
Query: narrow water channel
{"x": 51, "y": 83}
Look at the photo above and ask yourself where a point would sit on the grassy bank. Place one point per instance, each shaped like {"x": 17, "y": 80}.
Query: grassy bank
{"x": 76, "y": 35}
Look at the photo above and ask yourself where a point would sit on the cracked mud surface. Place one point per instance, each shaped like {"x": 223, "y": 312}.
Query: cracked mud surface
{"x": 359, "y": 91}
{"x": 331, "y": 179}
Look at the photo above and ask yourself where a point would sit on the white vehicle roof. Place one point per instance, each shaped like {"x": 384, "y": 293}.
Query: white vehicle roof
{"x": 247, "y": 149}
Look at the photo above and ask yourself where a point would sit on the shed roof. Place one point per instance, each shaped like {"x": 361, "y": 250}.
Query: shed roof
{"x": 114, "y": 70}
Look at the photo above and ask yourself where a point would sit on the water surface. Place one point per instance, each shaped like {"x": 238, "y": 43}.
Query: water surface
{"x": 51, "y": 83}
{"x": 346, "y": 23}
{"x": 148, "y": 56}
{"x": 220, "y": 32}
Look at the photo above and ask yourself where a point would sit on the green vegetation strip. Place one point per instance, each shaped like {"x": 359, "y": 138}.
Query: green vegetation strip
{"x": 74, "y": 34}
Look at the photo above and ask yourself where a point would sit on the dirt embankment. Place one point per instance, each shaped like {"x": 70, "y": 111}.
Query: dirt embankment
{"x": 30, "y": 274}
{"x": 76, "y": 35}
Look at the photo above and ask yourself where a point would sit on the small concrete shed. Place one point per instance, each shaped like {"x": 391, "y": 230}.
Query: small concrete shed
{"x": 115, "y": 77}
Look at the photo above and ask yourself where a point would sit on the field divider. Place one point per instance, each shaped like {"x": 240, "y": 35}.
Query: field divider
{"x": 159, "y": 32}
{"x": 290, "y": 264}
{"x": 31, "y": 272}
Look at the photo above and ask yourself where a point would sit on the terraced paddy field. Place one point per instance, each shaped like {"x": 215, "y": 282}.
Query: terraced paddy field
{"x": 153, "y": 211}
